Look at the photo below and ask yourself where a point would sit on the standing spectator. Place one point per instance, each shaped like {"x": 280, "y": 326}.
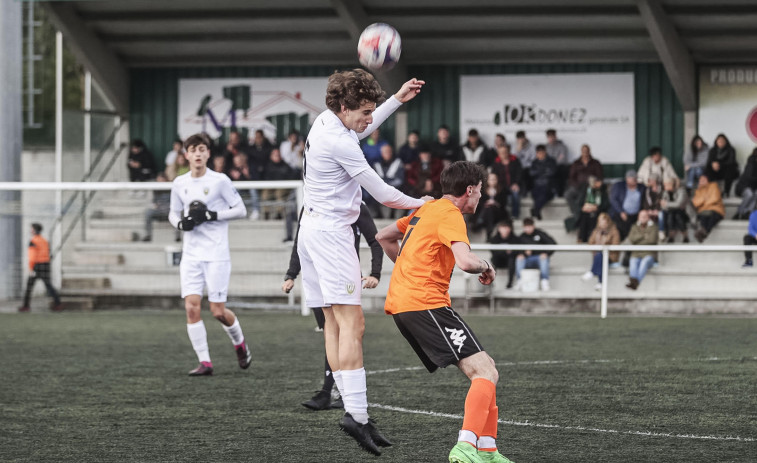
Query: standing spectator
{"x": 510, "y": 174}
{"x": 643, "y": 233}
{"x": 161, "y": 206}
{"x": 750, "y": 239}
{"x": 392, "y": 172}
{"x": 746, "y": 187}
{"x": 673, "y": 210}
{"x": 542, "y": 174}
{"x": 557, "y": 150}
{"x": 141, "y": 162}
{"x": 474, "y": 150}
{"x": 656, "y": 164}
{"x": 178, "y": 147}
{"x": 237, "y": 144}
{"x": 426, "y": 169}
{"x": 292, "y": 150}
{"x": 578, "y": 177}
{"x": 372, "y": 147}
{"x": 444, "y": 148}
{"x": 651, "y": 200}
{"x": 708, "y": 203}
{"x": 491, "y": 207}
{"x": 605, "y": 234}
{"x": 410, "y": 151}
{"x": 39, "y": 267}
{"x": 595, "y": 202}
{"x": 275, "y": 170}
{"x": 180, "y": 166}
{"x": 625, "y": 202}
{"x": 505, "y": 259}
{"x": 533, "y": 235}
{"x": 722, "y": 167}
{"x": 258, "y": 154}
{"x": 695, "y": 161}
{"x": 526, "y": 154}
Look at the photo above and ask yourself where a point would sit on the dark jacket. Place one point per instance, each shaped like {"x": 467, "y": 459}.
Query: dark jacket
{"x": 579, "y": 173}
{"x": 278, "y": 171}
{"x": 496, "y": 238}
{"x": 726, "y": 157}
{"x": 539, "y": 236}
{"x": 510, "y": 174}
{"x": 408, "y": 154}
{"x": 446, "y": 152}
{"x": 543, "y": 171}
{"x": 748, "y": 178}
{"x": 618, "y": 195}
{"x": 602, "y": 199}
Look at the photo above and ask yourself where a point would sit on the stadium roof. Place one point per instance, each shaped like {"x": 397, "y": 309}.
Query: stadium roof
{"x": 111, "y": 37}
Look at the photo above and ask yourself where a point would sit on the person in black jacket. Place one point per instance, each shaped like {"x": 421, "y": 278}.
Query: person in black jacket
{"x": 542, "y": 171}
{"x": 141, "y": 162}
{"x": 747, "y": 188}
{"x": 492, "y": 205}
{"x": 502, "y": 259}
{"x": 367, "y": 228}
{"x": 722, "y": 165}
{"x": 594, "y": 200}
{"x": 534, "y": 259}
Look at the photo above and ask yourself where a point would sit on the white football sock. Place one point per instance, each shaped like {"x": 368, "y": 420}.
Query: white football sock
{"x": 199, "y": 338}
{"x": 467, "y": 436}
{"x": 338, "y": 380}
{"x": 235, "y": 332}
{"x": 354, "y": 395}
{"x": 487, "y": 442}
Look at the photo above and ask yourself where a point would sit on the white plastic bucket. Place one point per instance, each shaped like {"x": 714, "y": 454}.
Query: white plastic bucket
{"x": 529, "y": 280}
{"x": 173, "y": 256}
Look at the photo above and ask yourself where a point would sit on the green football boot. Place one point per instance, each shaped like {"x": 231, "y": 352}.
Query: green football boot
{"x": 463, "y": 452}
{"x": 493, "y": 457}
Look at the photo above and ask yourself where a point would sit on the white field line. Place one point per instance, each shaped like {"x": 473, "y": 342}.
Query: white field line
{"x": 571, "y": 428}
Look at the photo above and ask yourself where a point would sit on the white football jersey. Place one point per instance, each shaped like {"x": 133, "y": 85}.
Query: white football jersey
{"x": 208, "y": 241}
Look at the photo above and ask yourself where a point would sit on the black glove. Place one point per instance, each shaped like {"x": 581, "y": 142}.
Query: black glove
{"x": 186, "y": 224}
{"x": 200, "y": 213}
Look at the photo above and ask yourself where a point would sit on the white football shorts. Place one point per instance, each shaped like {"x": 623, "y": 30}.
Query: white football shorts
{"x": 330, "y": 267}
{"x": 197, "y": 274}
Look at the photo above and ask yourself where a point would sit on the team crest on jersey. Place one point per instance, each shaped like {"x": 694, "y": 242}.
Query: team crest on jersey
{"x": 350, "y": 287}
{"x": 206, "y": 191}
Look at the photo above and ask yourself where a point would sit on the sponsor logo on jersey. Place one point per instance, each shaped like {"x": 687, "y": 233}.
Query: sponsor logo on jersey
{"x": 457, "y": 337}
{"x": 350, "y": 287}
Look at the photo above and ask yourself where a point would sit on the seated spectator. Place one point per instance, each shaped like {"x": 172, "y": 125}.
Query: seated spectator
{"x": 409, "y": 152}
{"x": 595, "y": 202}
{"x": 651, "y": 200}
{"x": 474, "y": 150}
{"x": 643, "y": 232}
{"x": 542, "y": 172}
{"x": 505, "y": 259}
{"x": 178, "y": 147}
{"x": 258, "y": 154}
{"x": 240, "y": 171}
{"x": 276, "y": 198}
{"x": 161, "y": 206}
{"x": 372, "y": 147}
{"x": 655, "y": 164}
{"x": 292, "y": 150}
{"x": 526, "y": 154}
{"x": 425, "y": 168}
{"x": 491, "y": 207}
{"x": 392, "y": 172}
{"x": 218, "y": 164}
{"x": 510, "y": 175}
{"x": 499, "y": 140}
{"x": 444, "y": 148}
{"x": 557, "y": 150}
{"x": 709, "y": 206}
{"x": 237, "y": 144}
{"x": 722, "y": 167}
{"x": 578, "y": 177}
{"x": 141, "y": 162}
{"x": 695, "y": 161}
{"x": 430, "y": 189}
{"x": 605, "y": 233}
{"x": 673, "y": 210}
{"x": 533, "y": 235}
{"x": 750, "y": 239}
{"x": 625, "y": 202}
{"x": 746, "y": 187}
{"x": 180, "y": 166}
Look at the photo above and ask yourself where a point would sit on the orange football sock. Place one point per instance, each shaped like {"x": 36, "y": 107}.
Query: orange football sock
{"x": 487, "y": 441}
{"x": 477, "y": 405}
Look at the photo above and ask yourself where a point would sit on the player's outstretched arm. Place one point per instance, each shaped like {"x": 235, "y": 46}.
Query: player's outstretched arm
{"x": 471, "y": 263}
{"x": 386, "y": 194}
{"x": 406, "y": 93}
{"x": 389, "y": 238}
{"x": 409, "y": 89}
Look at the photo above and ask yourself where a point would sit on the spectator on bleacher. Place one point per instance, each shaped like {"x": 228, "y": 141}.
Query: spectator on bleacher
{"x": 258, "y": 154}
{"x": 595, "y": 201}
{"x": 411, "y": 150}
{"x": 292, "y": 150}
{"x": 499, "y": 140}
{"x": 505, "y": 259}
{"x": 180, "y": 166}
{"x": 427, "y": 167}
{"x": 708, "y": 203}
{"x": 750, "y": 239}
{"x": 276, "y": 198}
{"x": 526, "y": 154}
{"x": 655, "y": 164}
{"x": 491, "y": 207}
{"x": 240, "y": 171}
{"x": 178, "y": 147}
{"x": 695, "y": 161}
{"x": 141, "y": 162}
{"x": 218, "y": 164}
{"x": 580, "y": 170}
{"x": 722, "y": 167}
{"x": 644, "y": 232}
{"x": 39, "y": 267}
{"x": 746, "y": 187}
{"x": 429, "y": 188}
{"x": 372, "y": 146}
{"x": 474, "y": 150}
{"x": 542, "y": 172}
{"x": 650, "y": 202}
{"x": 237, "y": 144}
{"x": 510, "y": 174}
{"x": 161, "y": 201}
{"x": 392, "y": 172}
{"x": 625, "y": 202}
{"x": 673, "y": 210}
{"x": 444, "y": 147}
{"x": 528, "y": 259}
{"x": 557, "y": 150}
{"x": 605, "y": 233}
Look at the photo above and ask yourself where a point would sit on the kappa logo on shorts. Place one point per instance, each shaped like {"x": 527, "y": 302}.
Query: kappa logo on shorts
{"x": 350, "y": 287}
{"x": 457, "y": 337}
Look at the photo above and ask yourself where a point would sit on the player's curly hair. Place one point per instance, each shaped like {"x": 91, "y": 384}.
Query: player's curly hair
{"x": 458, "y": 176}
{"x": 351, "y": 89}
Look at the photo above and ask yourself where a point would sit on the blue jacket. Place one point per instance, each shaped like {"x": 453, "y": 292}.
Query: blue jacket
{"x": 753, "y": 224}
{"x": 618, "y": 194}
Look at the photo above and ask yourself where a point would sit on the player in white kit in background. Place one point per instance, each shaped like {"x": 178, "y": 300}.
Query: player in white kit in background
{"x": 202, "y": 203}
{"x": 334, "y": 170}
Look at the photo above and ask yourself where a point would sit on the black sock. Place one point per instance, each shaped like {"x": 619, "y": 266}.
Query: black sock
{"x": 328, "y": 378}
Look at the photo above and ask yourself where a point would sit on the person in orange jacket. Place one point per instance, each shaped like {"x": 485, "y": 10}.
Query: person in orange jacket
{"x": 39, "y": 267}
{"x": 709, "y": 205}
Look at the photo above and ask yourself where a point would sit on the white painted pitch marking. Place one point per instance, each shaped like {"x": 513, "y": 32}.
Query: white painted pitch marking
{"x": 571, "y": 428}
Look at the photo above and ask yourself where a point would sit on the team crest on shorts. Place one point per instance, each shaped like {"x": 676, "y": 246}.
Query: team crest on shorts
{"x": 350, "y": 287}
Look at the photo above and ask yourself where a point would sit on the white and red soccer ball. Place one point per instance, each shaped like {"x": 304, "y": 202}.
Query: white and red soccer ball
{"x": 379, "y": 47}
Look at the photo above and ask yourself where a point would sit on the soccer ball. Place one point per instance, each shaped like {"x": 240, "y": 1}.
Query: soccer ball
{"x": 379, "y": 47}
